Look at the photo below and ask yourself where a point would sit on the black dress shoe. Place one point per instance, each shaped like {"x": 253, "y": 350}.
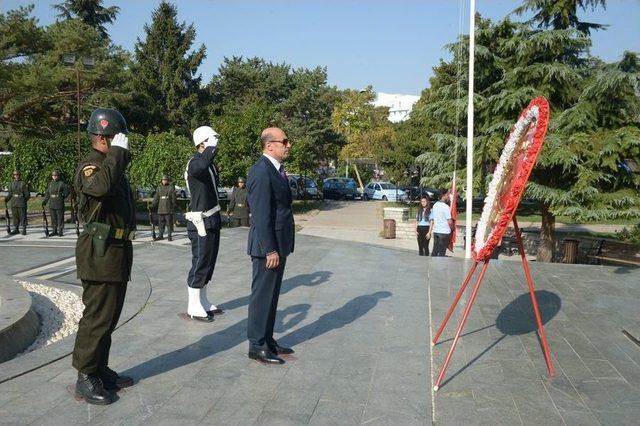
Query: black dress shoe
{"x": 90, "y": 388}
{"x": 265, "y": 356}
{"x": 281, "y": 350}
{"x": 216, "y": 311}
{"x": 113, "y": 380}
{"x": 208, "y": 318}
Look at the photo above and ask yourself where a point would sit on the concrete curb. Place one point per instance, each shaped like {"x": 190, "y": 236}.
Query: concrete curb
{"x": 19, "y": 324}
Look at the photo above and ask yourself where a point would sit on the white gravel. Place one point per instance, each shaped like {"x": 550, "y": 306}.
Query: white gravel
{"x": 59, "y": 312}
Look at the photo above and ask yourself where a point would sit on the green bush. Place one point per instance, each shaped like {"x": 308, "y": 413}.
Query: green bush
{"x": 163, "y": 153}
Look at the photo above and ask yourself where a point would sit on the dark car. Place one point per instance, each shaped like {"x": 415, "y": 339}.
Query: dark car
{"x": 350, "y": 183}
{"x": 337, "y": 189}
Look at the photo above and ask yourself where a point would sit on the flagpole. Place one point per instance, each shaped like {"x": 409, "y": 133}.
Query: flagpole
{"x": 469, "y": 190}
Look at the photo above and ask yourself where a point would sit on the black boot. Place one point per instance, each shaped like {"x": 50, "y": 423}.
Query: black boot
{"x": 90, "y": 388}
{"x": 113, "y": 380}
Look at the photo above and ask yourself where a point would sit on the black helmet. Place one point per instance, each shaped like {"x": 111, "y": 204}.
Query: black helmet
{"x": 107, "y": 121}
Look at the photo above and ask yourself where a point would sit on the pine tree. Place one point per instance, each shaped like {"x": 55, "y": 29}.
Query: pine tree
{"x": 561, "y": 14}
{"x": 166, "y": 83}
{"x": 91, "y": 12}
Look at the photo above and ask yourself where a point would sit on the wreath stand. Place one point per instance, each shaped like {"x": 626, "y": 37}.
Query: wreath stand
{"x": 474, "y": 294}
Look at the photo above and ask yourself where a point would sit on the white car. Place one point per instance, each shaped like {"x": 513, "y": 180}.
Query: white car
{"x": 384, "y": 191}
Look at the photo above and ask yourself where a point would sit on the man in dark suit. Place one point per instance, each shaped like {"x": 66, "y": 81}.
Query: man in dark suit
{"x": 271, "y": 240}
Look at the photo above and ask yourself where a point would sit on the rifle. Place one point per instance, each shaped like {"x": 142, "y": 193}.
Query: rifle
{"x": 46, "y": 223}
{"x": 153, "y": 226}
{"x": 6, "y": 218}
{"x": 74, "y": 215}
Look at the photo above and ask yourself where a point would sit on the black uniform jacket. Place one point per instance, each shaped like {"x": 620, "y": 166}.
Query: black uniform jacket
{"x": 18, "y": 194}
{"x": 272, "y": 228}
{"x": 101, "y": 178}
{"x": 202, "y": 179}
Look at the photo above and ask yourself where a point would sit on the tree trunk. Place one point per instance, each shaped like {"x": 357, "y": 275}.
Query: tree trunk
{"x": 547, "y": 235}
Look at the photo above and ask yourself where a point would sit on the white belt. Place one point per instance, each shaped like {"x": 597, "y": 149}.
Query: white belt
{"x": 197, "y": 219}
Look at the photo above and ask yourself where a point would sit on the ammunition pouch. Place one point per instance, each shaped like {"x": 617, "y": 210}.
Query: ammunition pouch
{"x": 100, "y": 233}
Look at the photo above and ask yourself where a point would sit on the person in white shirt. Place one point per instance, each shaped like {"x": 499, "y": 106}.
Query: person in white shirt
{"x": 441, "y": 224}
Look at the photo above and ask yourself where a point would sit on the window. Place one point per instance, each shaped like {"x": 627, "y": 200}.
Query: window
{"x": 388, "y": 186}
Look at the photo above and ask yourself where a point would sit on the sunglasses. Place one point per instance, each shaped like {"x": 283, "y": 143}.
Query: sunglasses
{"x": 284, "y": 142}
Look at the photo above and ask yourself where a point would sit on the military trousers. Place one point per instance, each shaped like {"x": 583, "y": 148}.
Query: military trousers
{"x": 204, "y": 253}
{"x": 19, "y": 218}
{"x": 103, "y": 303}
{"x": 165, "y": 220}
{"x": 57, "y": 220}
{"x": 263, "y": 302}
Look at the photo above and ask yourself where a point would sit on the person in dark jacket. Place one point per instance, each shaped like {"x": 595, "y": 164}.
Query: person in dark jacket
{"x": 423, "y": 225}
{"x": 203, "y": 227}
{"x": 164, "y": 200}
{"x": 17, "y": 197}
{"x": 271, "y": 240}
{"x": 104, "y": 253}
{"x": 238, "y": 206}
{"x": 54, "y": 196}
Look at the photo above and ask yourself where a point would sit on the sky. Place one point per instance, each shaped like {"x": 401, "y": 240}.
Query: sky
{"x": 389, "y": 44}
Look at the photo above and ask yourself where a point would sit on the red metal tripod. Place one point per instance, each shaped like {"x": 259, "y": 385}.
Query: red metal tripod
{"x": 474, "y": 293}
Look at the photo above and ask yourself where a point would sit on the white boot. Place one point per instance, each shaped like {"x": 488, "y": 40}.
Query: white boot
{"x": 204, "y": 301}
{"x": 195, "y": 308}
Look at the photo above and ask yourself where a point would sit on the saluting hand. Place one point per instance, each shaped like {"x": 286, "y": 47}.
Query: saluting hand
{"x": 273, "y": 260}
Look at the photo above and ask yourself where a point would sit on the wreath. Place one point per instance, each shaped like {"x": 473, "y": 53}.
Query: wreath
{"x": 510, "y": 177}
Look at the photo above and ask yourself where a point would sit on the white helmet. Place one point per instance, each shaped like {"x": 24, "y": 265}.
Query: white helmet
{"x": 203, "y": 133}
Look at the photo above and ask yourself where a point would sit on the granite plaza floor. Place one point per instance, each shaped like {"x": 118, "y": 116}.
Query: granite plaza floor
{"x": 360, "y": 318}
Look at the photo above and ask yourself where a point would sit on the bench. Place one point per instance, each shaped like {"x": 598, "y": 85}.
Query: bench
{"x": 608, "y": 251}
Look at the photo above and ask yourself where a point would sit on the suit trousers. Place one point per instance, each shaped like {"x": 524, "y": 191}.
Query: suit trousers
{"x": 440, "y": 244}
{"x": 263, "y": 302}
{"x": 19, "y": 218}
{"x": 103, "y": 303}
{"x": 57, "y": 220}
{"x": 165, "y": 220}
{"x": 204, "y": 252}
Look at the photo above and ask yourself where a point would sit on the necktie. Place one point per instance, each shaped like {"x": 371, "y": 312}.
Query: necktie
{"x": 282, "y": 172}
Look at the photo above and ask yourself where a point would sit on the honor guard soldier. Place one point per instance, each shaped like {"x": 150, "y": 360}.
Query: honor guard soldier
{"x": 104, "y": 252}
{"x": 17, "y": 198}
{"x": 238, "y": 206}
{"x": 203, "y": 227}
{"x": 165, "y": 201}
{"x": 55, "y": 195}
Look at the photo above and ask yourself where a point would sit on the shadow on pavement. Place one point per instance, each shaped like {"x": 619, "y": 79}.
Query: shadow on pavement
{"x": 236, "y": 334}
{"x": 306, "y": 280}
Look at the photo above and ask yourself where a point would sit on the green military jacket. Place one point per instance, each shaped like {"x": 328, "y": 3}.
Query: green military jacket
{"x": 164, "y": 199}
{"x": 18, "y": 194}
{"x": 238, "y": 203}
{"x": 55, "y": 195}
{"x": 104, "y": 196}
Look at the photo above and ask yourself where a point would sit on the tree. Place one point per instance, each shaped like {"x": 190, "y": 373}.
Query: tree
{"x": 561, "y": 14}
{"x": 163, "y": 153}
{"x": 594, "y": 125}
{"x": 166, "y": 86}
{"x": 37, "y": 92}
{"x": 91, "y": 12}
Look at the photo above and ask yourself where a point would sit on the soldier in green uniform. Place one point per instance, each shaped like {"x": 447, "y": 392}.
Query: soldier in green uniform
{"x": 238, "y": 206}
{"x": 165, "y": 201}
{"x": 104, "y": 252}
{"x": 17, "y": 198}
{"x": 55, "y": 195}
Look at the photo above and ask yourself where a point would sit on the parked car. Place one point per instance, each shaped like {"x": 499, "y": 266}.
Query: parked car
{"x": 350, "y": 182}
{"x": 385, "y": 191}
{"x": 338, "y": 189}
{"x": 183, "y": 192}
{"x": 310, "y": 189}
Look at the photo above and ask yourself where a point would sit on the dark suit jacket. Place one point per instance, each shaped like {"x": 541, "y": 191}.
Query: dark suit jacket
{"x": 272, "y": 228}
{"x": 204, "y": 194}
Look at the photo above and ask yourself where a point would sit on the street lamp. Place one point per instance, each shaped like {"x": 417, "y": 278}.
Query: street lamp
{"x": 88, "y": 63}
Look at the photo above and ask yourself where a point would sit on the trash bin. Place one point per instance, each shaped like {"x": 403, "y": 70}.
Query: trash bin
{"x": 569, "y": 251}
{"x": 389, "y": 229}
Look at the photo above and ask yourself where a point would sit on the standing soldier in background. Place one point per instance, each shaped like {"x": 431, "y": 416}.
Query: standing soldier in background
{"x": 104, "y": 252}
{"x": 238, "y": 206}
{"x": 165, "y": 201}
{"x": 55, "y": 195}
{"x": 17, "y": 198}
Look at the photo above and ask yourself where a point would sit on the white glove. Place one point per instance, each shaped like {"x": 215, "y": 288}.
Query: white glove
{"x": 211, "y": 141}
{"x": 120, "y": 140}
